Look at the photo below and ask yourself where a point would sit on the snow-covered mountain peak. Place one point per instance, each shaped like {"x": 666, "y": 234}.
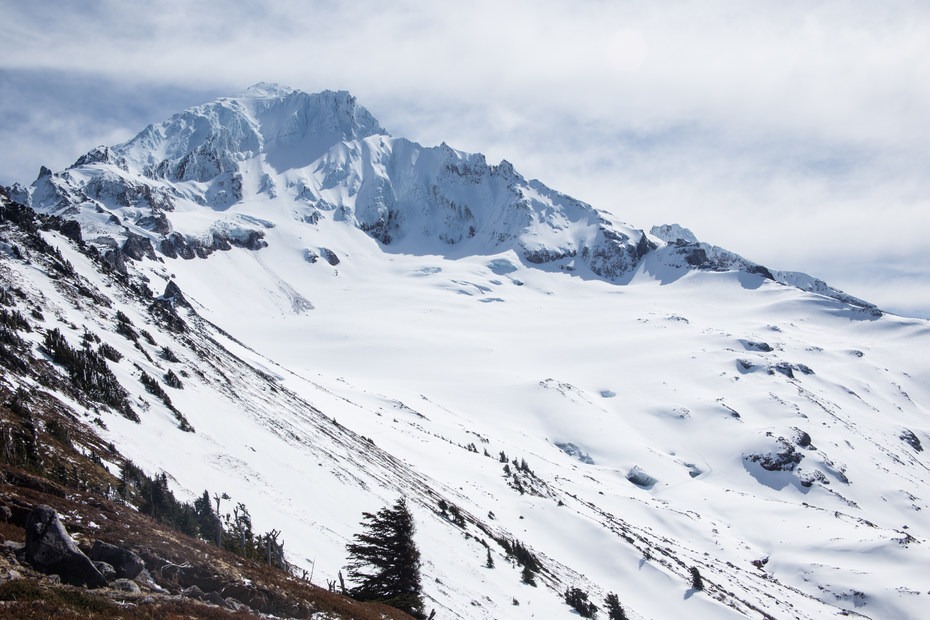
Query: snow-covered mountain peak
{"x": 288, "y": 128}
{"x": 265, "y": 89}
{"x": 199, "y": 182}
{"x": 673, "y": 233}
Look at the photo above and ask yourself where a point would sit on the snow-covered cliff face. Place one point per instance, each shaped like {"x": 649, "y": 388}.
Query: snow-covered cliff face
{"x": 200, "y": 181}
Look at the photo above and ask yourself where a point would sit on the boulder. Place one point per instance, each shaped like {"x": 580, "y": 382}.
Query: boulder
{"x": 106, "y": 570}
{"x": 329, "y": 256}
{"x": 49, "y": 549}
{"x": 125, "y": 563}
{"x": 126, "y": 585}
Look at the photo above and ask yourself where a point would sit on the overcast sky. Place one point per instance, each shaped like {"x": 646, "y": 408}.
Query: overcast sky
{"x": 795, "y": 133}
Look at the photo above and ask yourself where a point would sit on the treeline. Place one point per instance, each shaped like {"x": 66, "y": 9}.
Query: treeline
{"x": 202, "y": 519}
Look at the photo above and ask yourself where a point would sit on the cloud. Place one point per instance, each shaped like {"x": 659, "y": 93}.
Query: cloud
{"x": 791, "y": 132}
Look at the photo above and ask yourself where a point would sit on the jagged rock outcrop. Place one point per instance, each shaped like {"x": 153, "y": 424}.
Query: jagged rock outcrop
{"x": 782, "y": 457}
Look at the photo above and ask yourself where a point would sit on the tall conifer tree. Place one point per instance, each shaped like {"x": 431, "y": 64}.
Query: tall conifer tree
{"x": 384, "y": 560}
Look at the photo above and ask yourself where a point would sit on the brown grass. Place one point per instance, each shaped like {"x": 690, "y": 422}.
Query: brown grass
{"x": 160, "y": 547}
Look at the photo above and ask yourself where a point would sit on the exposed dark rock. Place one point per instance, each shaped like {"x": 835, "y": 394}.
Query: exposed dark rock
{"x": 253, "y": 240}
{"x": 157, "y": 223}
{"x": 802, "y": 439}
{"x": 759, "y": 270}
{"x": 164, "y": 308}
{"x": 803, "y": 369}
{"x": 106, "y": 242}
{"x": 329, "y": 256}
{"x": 640, "y": 478}
{"x": 114, "y": 259}
{"x": 613, "y": 256}
{"x": 137, "y": 247}
{"x": 49, "y": 549}
{"x": 546, "y": 255}
{"x": 808, "y": 478}
{"x": 784, "y": 457}
{"x": 574, "y": 451}
{"x": 383, "y": 227}
{"x": 695, "y": 256}
{"x": 221, "y": 243}
{"x": 173, "y": 293}
{"x": 751, "y": 345}
{"x": 911, "y": 439}
{"x": 125, "y": 563}
{"x": 785, "y": 369}
{"x": 72, "y": 230}
{"x": 106, "y": 570}
{"x": 214, "y": 597}
{"x": 99, "y": 155}
{"x": 177, "y": 245}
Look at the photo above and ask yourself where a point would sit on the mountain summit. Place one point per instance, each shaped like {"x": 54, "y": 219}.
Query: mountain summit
{"x": 328, "y": 158}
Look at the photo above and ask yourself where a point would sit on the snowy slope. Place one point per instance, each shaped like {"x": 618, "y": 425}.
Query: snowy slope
{"x": 377, "y": 318}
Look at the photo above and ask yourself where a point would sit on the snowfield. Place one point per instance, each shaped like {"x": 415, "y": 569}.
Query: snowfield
{"x": 372, "y": 318}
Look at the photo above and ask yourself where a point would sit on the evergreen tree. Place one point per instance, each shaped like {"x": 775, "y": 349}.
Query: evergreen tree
{"x": 385, "y": 562}
{"x": 578, "y": 599}
{"x": 696, "y": 582}
{"x": 614, "y": 608}
{"x": 207, "y": 520}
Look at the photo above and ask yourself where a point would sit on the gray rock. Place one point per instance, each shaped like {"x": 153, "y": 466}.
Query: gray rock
{"x": 783, "y": 457}
{"x": 126, "y": 585}
{"x": 114, "y": 259}
{"x": 329, "y": 256}
{"x": 802, "y": 438}
{"x": 174, "y": 294}
{"x": 138, "y": 247}
{"x": 106, "y": 570}
{"x": 72, "y": 230}
{"x": 157, "y": 223}
{"x": 125, "y": 563}
{"x": 49, "y": 549}
{"x": 908, "y": 437}
{"x": 192, "y": 592}
{"x": 640, "y": 478}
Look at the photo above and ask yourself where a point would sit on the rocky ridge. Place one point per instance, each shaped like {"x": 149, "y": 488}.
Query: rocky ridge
{"x": 327, "y": 157}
